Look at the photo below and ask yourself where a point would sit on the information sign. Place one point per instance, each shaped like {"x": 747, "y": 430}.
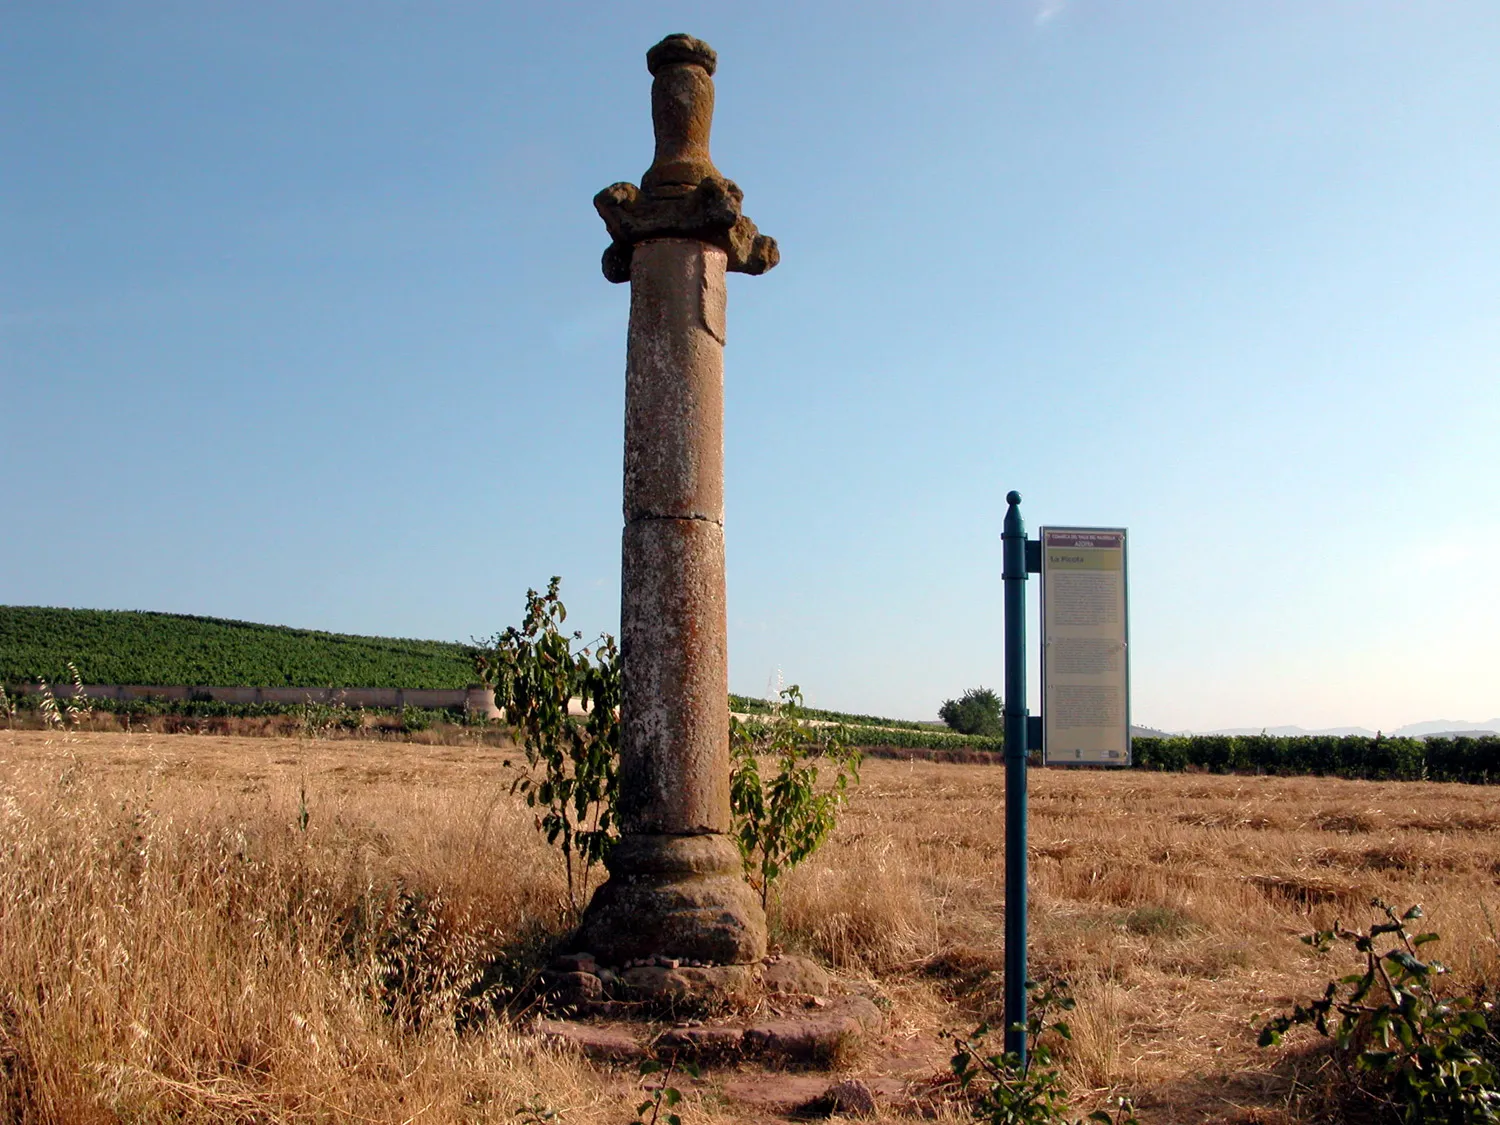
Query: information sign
{"x": 1085, "y": 660}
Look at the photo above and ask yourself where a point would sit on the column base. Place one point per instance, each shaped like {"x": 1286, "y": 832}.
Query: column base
{"x": 681, "y": 897}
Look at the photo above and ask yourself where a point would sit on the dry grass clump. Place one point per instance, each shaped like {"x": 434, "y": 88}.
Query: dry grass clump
{"x": 178, "y": 942}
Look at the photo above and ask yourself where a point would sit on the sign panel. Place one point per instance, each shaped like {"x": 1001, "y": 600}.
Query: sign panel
{"x": 1085, "y": 661}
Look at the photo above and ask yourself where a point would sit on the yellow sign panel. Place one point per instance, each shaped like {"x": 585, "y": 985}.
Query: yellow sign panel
{"x": 1085, "y": 658}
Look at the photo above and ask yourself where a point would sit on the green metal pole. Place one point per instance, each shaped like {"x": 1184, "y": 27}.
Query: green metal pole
{"x": 1014, "y": 575}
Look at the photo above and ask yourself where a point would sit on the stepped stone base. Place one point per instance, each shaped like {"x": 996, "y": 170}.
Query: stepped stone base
{"x": 577, "y": 982}
{"x": 812, "y": 1032}
{"x": 683, "y": 898}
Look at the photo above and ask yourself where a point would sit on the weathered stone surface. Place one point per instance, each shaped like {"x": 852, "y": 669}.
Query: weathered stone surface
{"x": 596, "y": 1042}
{"x": 573, "y": 988}
{"x": 807, "y": 1041}
{"x": 682, "y": 114}
{"x": 674, "y": 712}
{"x": 674, "y": 383}
{"x": 851, "y": 1098}
{"x": 640, "y": 855}
{"x": 682, "y": 194}
{"x": 862, "y": 1011}
{"x": 795, "y": 975}
{"x": 575, "y": 963}
{"x": 674, "y": 238}
{"x": 778, "y": 1093}
{"x": 709, "y": 213}
{"x": 702, "y": 1042}
{"x": 818, "y": 1039}
{"x": 710, "y": 916}
{"x": 706, "y": 984}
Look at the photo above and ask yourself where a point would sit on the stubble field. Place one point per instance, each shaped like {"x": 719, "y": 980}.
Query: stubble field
{"x": 253, "y": 929}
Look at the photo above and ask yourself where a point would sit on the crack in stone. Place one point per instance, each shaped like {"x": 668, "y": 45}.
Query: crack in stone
{"x": 701, "y": 519}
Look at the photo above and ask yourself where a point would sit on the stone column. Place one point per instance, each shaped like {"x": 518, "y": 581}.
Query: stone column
{"x": 675, "y": 886}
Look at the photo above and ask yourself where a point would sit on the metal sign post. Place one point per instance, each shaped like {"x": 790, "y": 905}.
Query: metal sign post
{"x": 1085, "y": 716}
{"x": 1014, "y": 575}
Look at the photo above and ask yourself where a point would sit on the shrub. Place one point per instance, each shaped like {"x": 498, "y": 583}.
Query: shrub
{"x": 977, "y": 711}
{"x": 1006, "y": 1089}
{"x": 780, "y": 822}
{"x": 1400, "y": 1042}
{"x": 1475, "y": 760}
{"x": 572, "y": 768}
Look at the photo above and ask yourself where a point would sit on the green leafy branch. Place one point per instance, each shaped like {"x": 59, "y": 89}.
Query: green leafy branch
{"x": 1006, "y": 1089}
{"x": 1421, "y": 1055}
{"x": 663, "y": 1095}
{"x": 572, "y": 766}
{"x": 779, "y": 822}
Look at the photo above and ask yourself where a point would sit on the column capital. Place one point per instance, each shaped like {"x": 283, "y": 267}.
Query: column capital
{"x": 682, "y": 194}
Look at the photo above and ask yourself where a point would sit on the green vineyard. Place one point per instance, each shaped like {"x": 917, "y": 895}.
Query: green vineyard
{"x": 120, "y": 647}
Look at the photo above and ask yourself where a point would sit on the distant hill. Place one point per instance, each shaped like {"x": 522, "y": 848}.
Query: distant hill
{"x": 1148, "y": 732}
{"x": 1296, "y": 732}
{"x": 1433, "y": 728}
{"x": 126, "y": 647}
{"x": 1447, "y": 728}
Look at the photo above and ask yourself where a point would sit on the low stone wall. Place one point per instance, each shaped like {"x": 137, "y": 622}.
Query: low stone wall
{"x": 475, "y": 699}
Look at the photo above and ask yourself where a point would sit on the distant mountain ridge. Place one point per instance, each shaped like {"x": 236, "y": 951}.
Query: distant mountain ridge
{"x": 1411, "y": 730}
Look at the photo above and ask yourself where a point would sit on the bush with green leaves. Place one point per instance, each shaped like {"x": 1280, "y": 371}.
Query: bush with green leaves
{"x": 661, "y": 1094}
{"x": 781, "y": 820}
{"x": 1407, "y": 1048}
{"x": 977, "y": 711}
{"x": 572, "y": 765}
{"x": 1471, "y": 759}
{"x": 1003, "y": 1088}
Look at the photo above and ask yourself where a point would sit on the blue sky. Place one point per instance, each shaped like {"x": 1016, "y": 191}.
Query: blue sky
{"x": 301, "y": 321}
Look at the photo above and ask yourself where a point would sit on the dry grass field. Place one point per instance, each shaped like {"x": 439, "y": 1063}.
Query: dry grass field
{"x": 259, "y": 929}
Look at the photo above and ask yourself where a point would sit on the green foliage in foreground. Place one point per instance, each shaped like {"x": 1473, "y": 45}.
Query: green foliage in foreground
{"x": 120, "y": 647}
{"x": 572, "y": 773}
{"x": 1472, "y": 760}
{"x": 1004, "y": 1089}
{"x": 1404, "y": 1047}
{"x": 781, "y": 820}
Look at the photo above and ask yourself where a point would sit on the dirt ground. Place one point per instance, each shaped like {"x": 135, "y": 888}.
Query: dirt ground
{"x": 1173, "y": 905}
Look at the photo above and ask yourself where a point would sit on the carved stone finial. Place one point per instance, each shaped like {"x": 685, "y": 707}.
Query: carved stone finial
{"x": 682, "y": 115}
{"x": 682, "y": 194}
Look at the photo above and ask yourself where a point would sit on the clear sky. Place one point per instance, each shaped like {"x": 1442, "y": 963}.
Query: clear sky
{"x": 301, "y": 321}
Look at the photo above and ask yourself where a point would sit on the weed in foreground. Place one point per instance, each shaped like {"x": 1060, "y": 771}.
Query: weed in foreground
{"x": 661, "y": 1094}
{"x": 571, "y": 775}
{"x": 1403, "y": 1046}
{"x": 779, "y": 822}
{"x": 1004, "y": 1089}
